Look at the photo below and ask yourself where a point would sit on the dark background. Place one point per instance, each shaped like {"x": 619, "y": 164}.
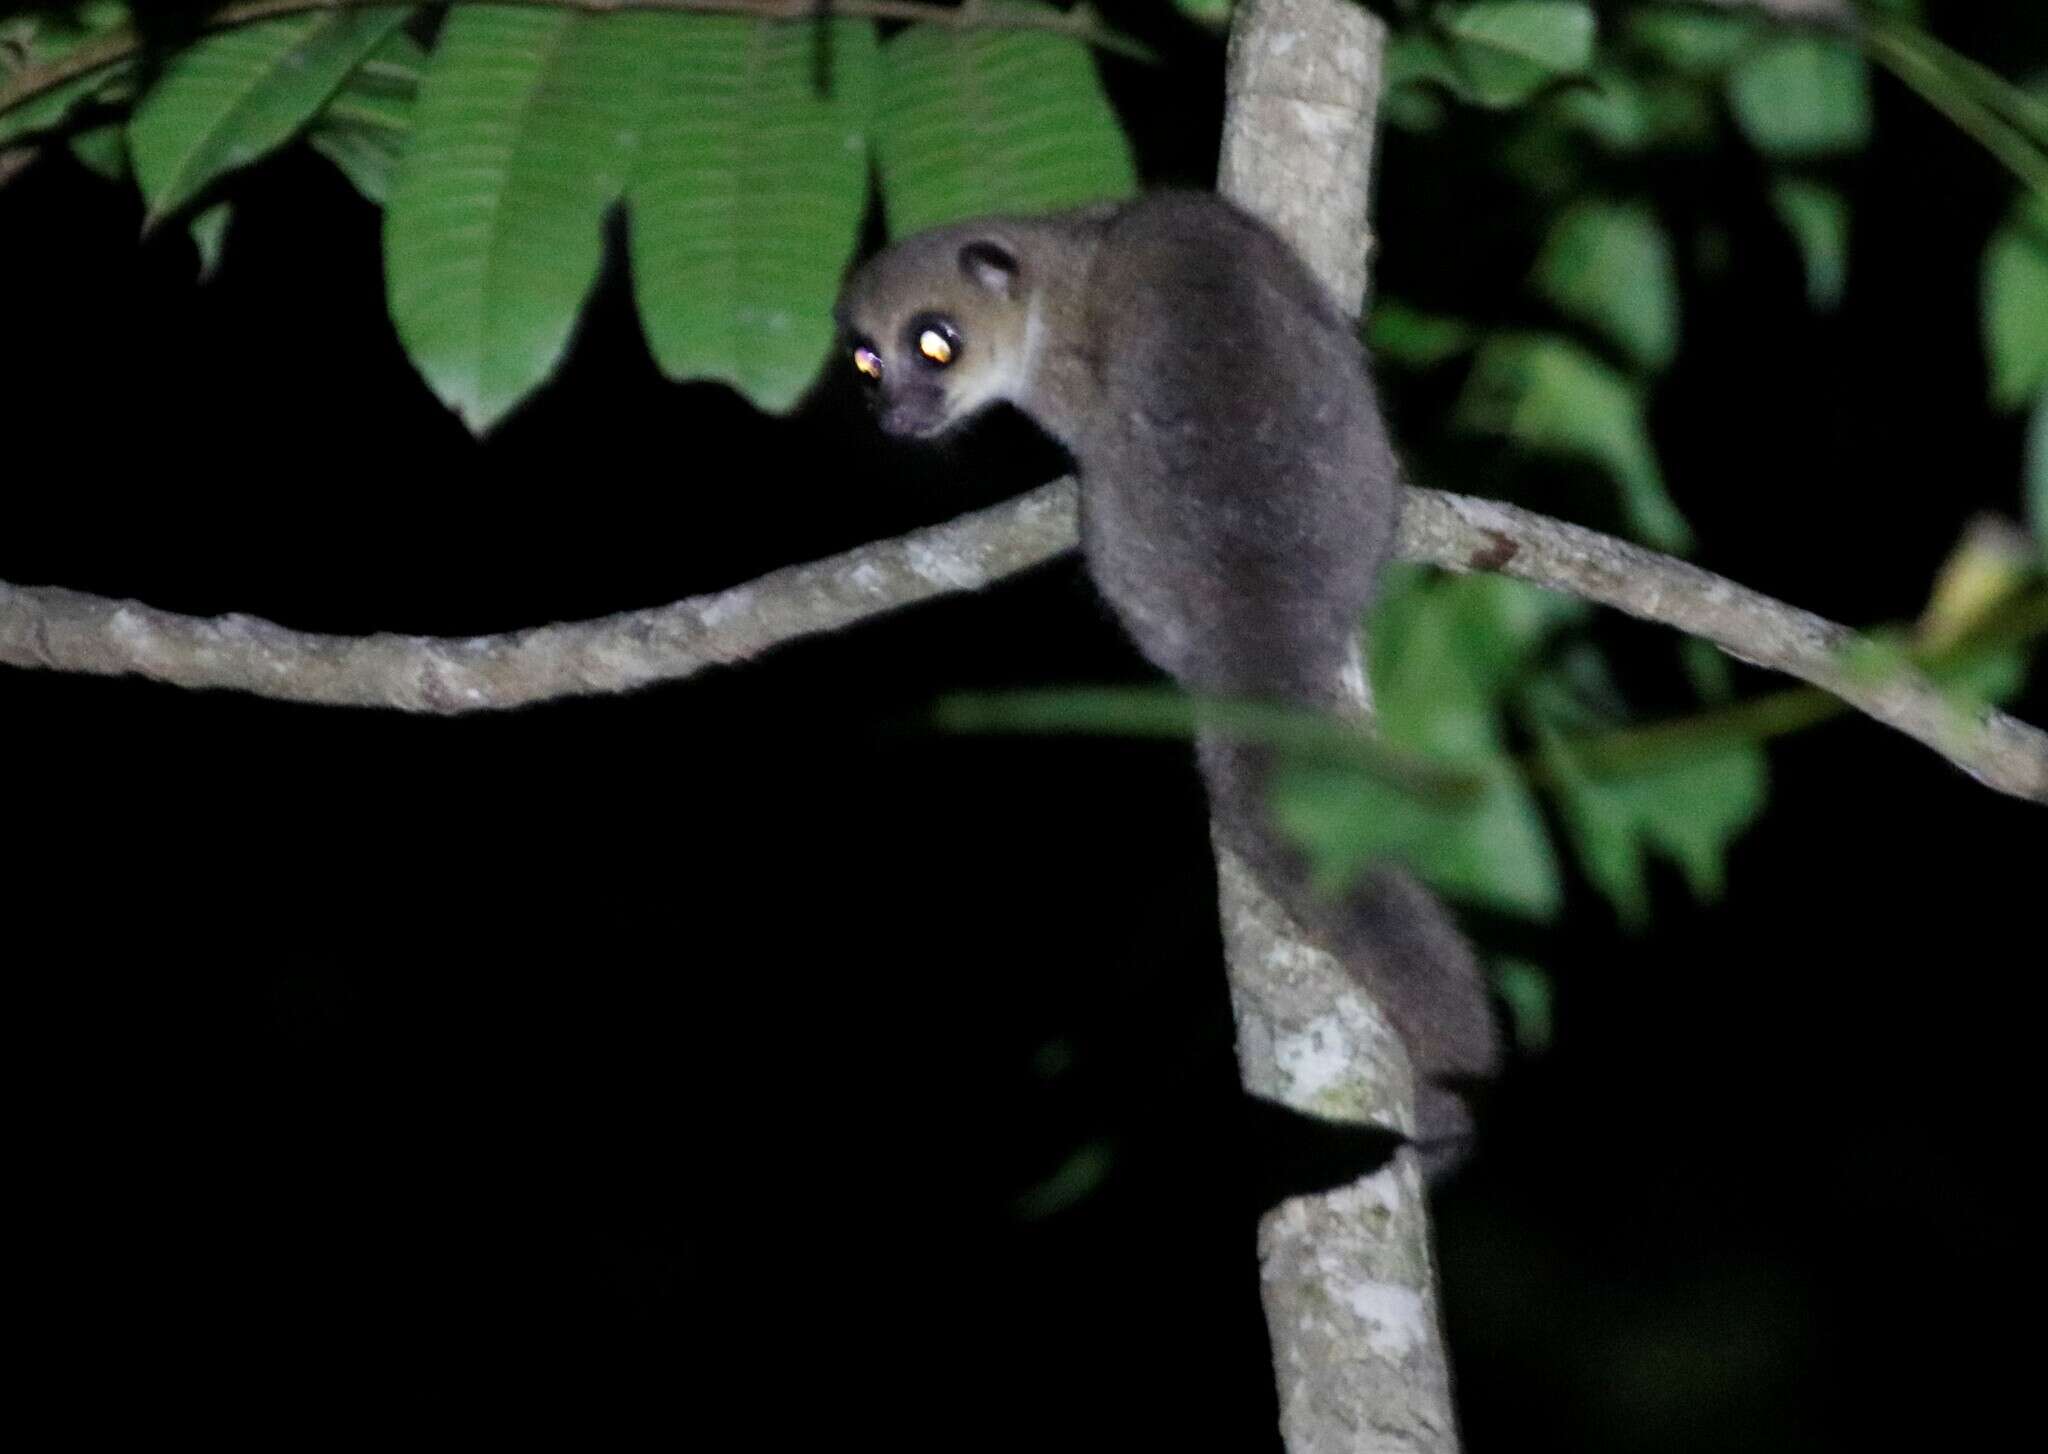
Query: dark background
{"x": 723, "y": 1042}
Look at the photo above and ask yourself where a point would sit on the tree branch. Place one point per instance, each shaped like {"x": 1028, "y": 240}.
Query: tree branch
{"x": 1463, "y": 533}
{"x": 62, "y": 630}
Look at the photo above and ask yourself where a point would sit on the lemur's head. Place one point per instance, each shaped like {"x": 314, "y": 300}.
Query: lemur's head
{"x": 940, "y": 326}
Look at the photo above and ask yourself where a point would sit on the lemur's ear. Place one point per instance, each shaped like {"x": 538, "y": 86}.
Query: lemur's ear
{"x": 990, "y": 266}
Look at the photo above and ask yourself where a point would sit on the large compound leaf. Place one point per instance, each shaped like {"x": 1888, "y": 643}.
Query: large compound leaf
{"x": 229, "y": 99}
{"x": 748, "y": 197}
{"x": 523, "y": 136}
{"x": 974, "y": 121}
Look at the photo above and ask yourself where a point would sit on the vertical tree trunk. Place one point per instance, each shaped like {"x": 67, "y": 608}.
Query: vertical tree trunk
{"x": 1347, "y": 1277}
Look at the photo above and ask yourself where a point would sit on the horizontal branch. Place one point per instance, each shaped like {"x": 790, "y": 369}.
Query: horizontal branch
{"x": 70, "y": 631}
{"x": 1460, "y": 532}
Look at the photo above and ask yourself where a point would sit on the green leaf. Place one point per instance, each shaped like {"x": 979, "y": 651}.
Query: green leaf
{"x": 1627, "y": 114}
{"x": 1405, "y": 335}
{"x": 1493, "y": 852}
{"x": 1508, "y": 50}
{"x": 229, "y": 99}
{"x": 2016, "y": 305}
{"x": 1690, "y": 811}
{"x": 1215, "y": 14}
{"x": 1692, "y": 42}
{"x": 367, "y": 156}
{"x": 523, "y": 137}
{"x": 48, "y": 38}
{"x": 364, "y": 127}
{"x": 1414, "y": 57}
{"x": 1818, "y": 219}
{"x": 1708, "y": 669}
{"x": 2037, "y": 472}
{"x": 1613, "y": 110}
{"x": 1530, "y": 999}
{"x": 748, "y": 198}
{"x": 975, "y": 121}
{"x": 1077, "y": 1178}
{"x": 380, "y": 92}
{"x": 1446, "y": 651}
{"x": 1609, "y": 265}
{"x": 1550, "y": 395}
{"x": 1802, "y": 96}
{"x": 103, "y": 150}
{"x": 210, "y": 235}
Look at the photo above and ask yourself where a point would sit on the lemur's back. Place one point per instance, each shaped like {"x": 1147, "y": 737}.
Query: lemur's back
{"x": 1239, "y": 492}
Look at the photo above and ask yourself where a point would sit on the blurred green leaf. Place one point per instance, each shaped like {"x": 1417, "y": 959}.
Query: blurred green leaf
{"x": 48, "y": 38}
{"x": 1075, "y": 1180}
{"x": 364, "y": 126}
{"x": 1985, "y": 677}
{"x": 1215, "y": 14}
{"x": 1413, "y": 57}
{"x": 1551, "y": 395}
{"x": 975, "y": 121}
{"x": 747, "y": 200}
{"x": 230, "y": 99}
{"x": 2016, "y": 305}
{"x": 1694, "y": 42}
{"x": 1691, "y": 812}
{"x": 523, "y": 137}
{"x": 1802, "y": 96}
{"x": 1626, "y": 113}
{"x": 1492, "y": 852}
{"x": 1609, "y": 265}
{"x": 1689, "y": 808}
{"x": 1530, "y": 998}
{"x": 2037, "y": 472}
{"x": 367, "y": 156}
{"x": 1508, "y": 50}
{"x": 1818, "y": 219}
{"x": 1446, "y": 651}
{"x": 380, "y": 92}
{"x": 1409, "y": 336}
{"x": 103, "y": 150}
{"x": 209, "y": 231}
{"x": 1708, "y": 669}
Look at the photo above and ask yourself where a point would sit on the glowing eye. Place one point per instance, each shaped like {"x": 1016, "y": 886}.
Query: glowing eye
{"x": 935, "y": 346}
{"x": 869, "y": 363}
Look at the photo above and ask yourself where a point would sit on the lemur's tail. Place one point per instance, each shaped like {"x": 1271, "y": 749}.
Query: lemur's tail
{"x": 1393, "y": 935}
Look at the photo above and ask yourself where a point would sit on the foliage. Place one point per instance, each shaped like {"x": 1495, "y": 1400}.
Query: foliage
{"x": 742, "y": 154}
{"x": 499, "y": 142}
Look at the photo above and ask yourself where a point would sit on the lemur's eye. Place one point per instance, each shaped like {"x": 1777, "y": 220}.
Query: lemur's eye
{"x": 936, "y": 341}
{"x": 868, "y": 362}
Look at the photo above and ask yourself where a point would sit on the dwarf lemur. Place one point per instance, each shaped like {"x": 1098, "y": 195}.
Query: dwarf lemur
{"x": 1238, "y": 496}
